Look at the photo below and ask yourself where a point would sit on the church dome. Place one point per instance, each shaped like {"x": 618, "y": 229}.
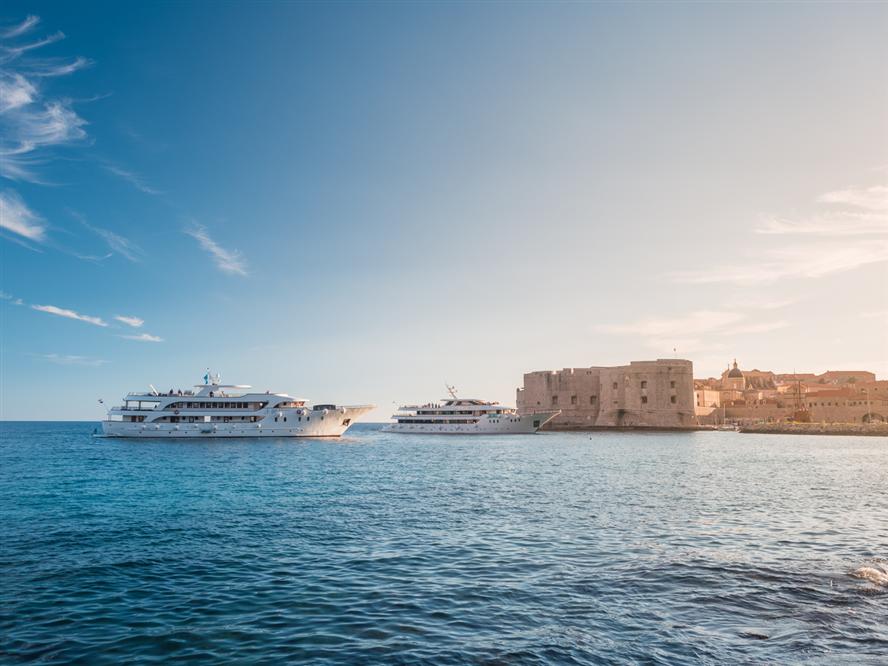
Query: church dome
{"x": 735, "y": 372}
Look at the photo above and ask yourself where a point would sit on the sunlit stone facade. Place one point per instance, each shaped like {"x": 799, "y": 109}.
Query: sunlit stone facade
{"x": 653, "y": 394}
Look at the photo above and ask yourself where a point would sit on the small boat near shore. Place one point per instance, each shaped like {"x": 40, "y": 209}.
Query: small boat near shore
{"x": 213, "y": 409}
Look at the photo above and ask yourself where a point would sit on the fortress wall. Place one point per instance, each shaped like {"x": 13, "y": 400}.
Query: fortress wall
{"x": 658, "y": 394}
{"x": 575, "y": 391}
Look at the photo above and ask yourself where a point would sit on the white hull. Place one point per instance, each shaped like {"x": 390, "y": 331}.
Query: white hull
{"x": 332, "y": 423}
{"x": 506, "y": 425}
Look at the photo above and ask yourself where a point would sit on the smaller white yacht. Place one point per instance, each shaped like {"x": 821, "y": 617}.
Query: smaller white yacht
{"x": 213, "y": 409}
{"x": 466, "y": 416}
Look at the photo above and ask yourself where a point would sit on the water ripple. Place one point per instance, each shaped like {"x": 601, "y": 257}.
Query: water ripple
{"x": 560, "y": 548}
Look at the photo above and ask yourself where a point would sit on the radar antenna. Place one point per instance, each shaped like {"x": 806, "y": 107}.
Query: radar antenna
{"x": 451, "y": 390}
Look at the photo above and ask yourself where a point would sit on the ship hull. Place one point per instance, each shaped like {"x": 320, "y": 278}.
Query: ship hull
{"x": 527, "y": 424}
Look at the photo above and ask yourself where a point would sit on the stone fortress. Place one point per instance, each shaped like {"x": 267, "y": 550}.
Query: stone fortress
{"x": 664, "y": 394}
{"x": 646, "y": 394}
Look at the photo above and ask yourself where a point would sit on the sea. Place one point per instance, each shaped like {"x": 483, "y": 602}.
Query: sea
{"x": 377, "y": 548}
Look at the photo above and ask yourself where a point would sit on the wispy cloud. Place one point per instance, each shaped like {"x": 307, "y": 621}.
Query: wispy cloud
{"x": 32, "y": 123}
{"x": 847, "y": 224}
{"x": 15, "y": 91}
{"x": 71, "y": 359}
{"x": 228, "y": 261}
{"x": 144, "y": 337}
{"x": 93, "y": 257}
{"x": 135, "y": 322}
{"x": 867, "y": 198}
{"x": 13, "y": 51}
{"x": 21, "y": 28}
{"x": 116, "y": 243}
{"x": 854, "y": 220}
{"x": 133, "y": 179}
{"x": 17, "y": 218}
{"x": 70, "y": 314}
{"x": 696, "y": 330}
{"x": 803, "y": 261}
{"x": 701, "y": 321}
{"x": 50, "y": 67}
{"x": 4, "y": 296}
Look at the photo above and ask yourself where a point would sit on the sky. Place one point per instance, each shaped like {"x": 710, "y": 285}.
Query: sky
{"x": 357, "y": 203}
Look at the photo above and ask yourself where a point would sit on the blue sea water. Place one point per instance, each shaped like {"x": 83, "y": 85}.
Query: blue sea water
{"x": 603, "y": 548}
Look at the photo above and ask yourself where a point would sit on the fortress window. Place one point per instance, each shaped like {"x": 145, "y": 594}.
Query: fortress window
{"x": 615, "y": 386}
{"x": 644, "y": 400}
{"x": 573, "y": 399}
{"x": 554, "y": 399}
{"x": 672, "y": 384}
{"x": 644, "y": 383}
{"x": 592, "y": 399}
{"x": 672, "y": 399}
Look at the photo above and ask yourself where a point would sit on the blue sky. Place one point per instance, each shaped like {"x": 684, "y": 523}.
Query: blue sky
{"x": 359, "y": 202}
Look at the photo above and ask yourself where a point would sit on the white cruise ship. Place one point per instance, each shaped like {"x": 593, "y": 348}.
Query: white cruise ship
{"x": 225, "y": 410}
{"x": 466, "y": 416}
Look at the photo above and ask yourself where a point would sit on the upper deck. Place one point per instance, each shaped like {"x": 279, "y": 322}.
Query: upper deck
{"x": 208, "y": 396}
{"x": 465, "y": 406}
